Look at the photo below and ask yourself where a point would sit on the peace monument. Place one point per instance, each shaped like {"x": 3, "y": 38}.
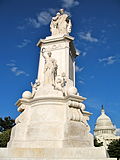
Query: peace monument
{"x": 53, "y": 120}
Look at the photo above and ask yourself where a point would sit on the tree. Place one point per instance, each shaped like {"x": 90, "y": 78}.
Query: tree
{"x": 114, "y": 149}
{"x": 97, "y": 144}
{"x": 4, "y": 137}
{"x": 5, "y": 130}
{"x": 6, "y": 123}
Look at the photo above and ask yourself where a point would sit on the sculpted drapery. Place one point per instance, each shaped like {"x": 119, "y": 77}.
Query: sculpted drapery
{"x": 60, "y": 24}
{"x": 50, "y": 69}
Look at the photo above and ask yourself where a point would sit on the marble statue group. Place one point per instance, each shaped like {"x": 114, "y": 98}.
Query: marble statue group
{"x": 61, "y": 23}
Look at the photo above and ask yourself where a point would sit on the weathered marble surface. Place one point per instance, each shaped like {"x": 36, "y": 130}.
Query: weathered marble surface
{"x": 54, "y": 159}
{"x": 63, "y": 52}
{"x": 61, "y": 23}
{"x": 51, "y": 122}
{"x": 53, "y": 114}
{"x": 55, "y": 153}
{"x": 57, "y": 159}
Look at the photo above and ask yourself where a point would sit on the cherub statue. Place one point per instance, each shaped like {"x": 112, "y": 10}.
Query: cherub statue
{"x": 35, "y": 86}
{"x": 60, "y": 83}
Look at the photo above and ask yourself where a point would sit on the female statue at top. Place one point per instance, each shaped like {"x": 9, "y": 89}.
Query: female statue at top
{"x": 60, "y": 24}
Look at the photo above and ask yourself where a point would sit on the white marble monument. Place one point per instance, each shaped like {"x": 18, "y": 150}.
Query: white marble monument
{"x": 53, "y": 121}
{"x": 53, "y": 115}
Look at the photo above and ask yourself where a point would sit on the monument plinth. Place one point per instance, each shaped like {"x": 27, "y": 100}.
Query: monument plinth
{"x": 53, "y": 121}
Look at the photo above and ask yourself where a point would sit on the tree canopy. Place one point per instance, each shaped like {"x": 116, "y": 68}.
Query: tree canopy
{"x": 6, "y": 123}
{"x": 4, "y": 137}
{"x": 97, "y": 144}
{"x": 114, "y": 149}
{"x": 5, "y": 130}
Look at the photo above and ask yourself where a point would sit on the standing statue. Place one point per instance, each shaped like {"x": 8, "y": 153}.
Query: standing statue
{"x": 60, "y": 24}
{"x": 50, "y": 69}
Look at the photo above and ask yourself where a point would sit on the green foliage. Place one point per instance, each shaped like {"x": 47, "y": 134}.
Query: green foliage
{"x": 6, "y": 123}
{"x": 114, "y": 149}
{"x": 4, "y": 137}
{"x": 97, "y": 144}
{"x": 5, "y": 130}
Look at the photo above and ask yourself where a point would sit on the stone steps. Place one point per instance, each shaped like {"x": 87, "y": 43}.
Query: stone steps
{"x": 86, "y": 153}
{"x": 54, "y": 159}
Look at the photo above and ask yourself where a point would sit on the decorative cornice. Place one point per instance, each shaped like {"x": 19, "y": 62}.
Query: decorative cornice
{"x": 52, "y": 39}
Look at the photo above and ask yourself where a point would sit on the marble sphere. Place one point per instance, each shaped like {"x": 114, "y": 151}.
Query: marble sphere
{"x": 72, "y": 91}
{"x": 27, "y": 95}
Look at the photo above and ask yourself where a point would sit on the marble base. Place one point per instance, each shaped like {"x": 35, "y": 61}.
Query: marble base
{"x": 92, "y": 153}
{"x": 51, "y": 123}
{"x": 54, "y": 159}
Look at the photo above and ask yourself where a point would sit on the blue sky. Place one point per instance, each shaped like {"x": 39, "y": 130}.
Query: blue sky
{"x": 96, "y": 28}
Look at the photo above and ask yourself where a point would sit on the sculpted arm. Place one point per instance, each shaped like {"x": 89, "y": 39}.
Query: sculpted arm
{"x": 43, "y": 55}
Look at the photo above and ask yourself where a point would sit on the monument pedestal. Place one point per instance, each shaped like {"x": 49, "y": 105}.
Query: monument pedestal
{"x": 51, "y": 122}
{"x": 63, "y": 51}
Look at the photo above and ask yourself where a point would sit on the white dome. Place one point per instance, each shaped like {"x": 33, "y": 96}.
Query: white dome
{"x": 104, "y": 124}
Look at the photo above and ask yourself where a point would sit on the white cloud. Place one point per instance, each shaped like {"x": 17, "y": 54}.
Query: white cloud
{"x": 103, "y": 31}
{"x": 34, "y": 22}
{"x": 81, "y": 82}
{"x": 42, "y": 18}
{"x": 84, "y": 54}
{"x": 88, "y": 37}
{"x": 20, "y": 72}
{"x": 13, "y": 68}
{"x": 118, "y": 131}
{"x": 79, "y": 69}
{"x": 92, "y": 77}
{"x": 21, "y": 27}
{"x": 24, "y": 43}
{"x": 111, "y": 25}
{"x": 52, "y": 11}
{"x": 69, "y": 3}
{"x": 108, "y": 60}
{"x": 13, "y": 61}
{"x": 10, "y": 64}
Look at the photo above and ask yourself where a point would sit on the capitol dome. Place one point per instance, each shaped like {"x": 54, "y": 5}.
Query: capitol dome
{"x": 104, "y": 124}
{"x": 104, "y": 129}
